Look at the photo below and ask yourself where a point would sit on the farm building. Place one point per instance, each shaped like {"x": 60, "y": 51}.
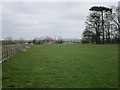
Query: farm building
{"x": 4, "y": 41}
{"x": 46, "y": 41}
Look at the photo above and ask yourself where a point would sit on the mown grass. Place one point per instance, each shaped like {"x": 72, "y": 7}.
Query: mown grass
{"x": 63, "y": 66}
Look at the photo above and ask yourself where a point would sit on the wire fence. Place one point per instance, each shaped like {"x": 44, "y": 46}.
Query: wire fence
{"x": 9, "y": 50}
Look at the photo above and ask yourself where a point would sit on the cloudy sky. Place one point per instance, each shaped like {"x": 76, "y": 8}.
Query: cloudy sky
{"x": 38, "y": 19}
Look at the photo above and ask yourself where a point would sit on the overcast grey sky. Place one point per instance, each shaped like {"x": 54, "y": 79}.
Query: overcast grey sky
{"x": 39, "y": 19}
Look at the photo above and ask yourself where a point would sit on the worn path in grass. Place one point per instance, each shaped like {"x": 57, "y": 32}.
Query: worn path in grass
{"x": 63, "y": 66}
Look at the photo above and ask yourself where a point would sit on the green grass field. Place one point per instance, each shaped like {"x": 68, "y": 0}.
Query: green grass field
{"x": 63, "y": 66}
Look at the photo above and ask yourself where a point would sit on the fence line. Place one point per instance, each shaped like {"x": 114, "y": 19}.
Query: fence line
{"x": 9, "y": 50}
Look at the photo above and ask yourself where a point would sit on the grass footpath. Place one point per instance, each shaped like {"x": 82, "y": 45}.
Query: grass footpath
{"x": 63, "y": 66}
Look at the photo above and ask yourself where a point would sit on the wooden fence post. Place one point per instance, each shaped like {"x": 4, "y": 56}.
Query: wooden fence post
{"x": 9, "y": 50}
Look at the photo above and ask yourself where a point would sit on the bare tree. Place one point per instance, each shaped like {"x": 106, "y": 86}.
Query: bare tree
{"x": 93, "y": 27}
{"x": 9, "y": 38}
{"x": 102, "y": 10}
{"x": 116, "y": 19}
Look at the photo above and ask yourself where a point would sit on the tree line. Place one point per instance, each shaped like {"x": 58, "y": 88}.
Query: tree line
{"x": 102, "y": 25}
